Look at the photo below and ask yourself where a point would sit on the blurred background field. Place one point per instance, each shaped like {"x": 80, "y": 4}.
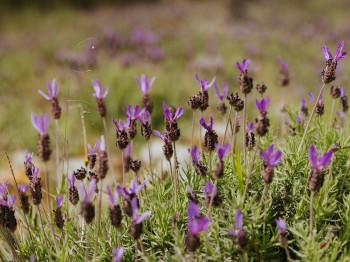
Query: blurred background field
{"x": 115, "y": 41}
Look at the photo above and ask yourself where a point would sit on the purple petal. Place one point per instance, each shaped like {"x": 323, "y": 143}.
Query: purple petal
{"x": 303, "y": 102}
{"x": 246, "y": 63}
{"x": 44, "y": 95}
{"x": 167, "y": 113}
{"x": 198, "y": 225}
{"x": 327, "y": 53}
{"x": 22, "y": 188}
{"x": 143, "y": 217}
{"x": 275, "y": 158}
{"x": 324, "y": 159}
{"x": 342, "y": 91}
{"x": 112, "y": 200}
{"x": 92, "y": 187}
{"x": 158, "y": 134}
{"x": 135, "y": 209}
{"x": 224, "y": 92}
{"x": 281, "y": 224}
{"x": 59, "y": 201}
{"x": 210, "y": 189}
{"x": 139, "y": 187}
{"x": 27, "y": 156}
{"x": 96, "y": 84}
{"x": 211, "y": 83}
{"x": 217, "y": 92}
{"x": 193, "y": 210}
{"x": 239, "y": 220}
{"x": 196, "y": 157}
{"x": 118, "y": 254}
{"x": 250, "y": 127}
{"x": 222, "y": 150}
{"x": 198, "y": 80}
{"x": 101, "y": 144}
{"x": 312, "y": 98}
{"x": 339, "y": 52}
{"x": 231, "y": 232}
{"x": 178, "y": 113}
{"x": 240, "y": 68}
{"x": 54, "y": 88}
{"x": 313, "y": 156}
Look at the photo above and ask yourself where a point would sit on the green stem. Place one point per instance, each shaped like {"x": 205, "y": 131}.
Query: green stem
{"x": 311, "y": 210}
{"x": 227, "y": 123}
{"x": 98, "y": 221}
{"x": 244, "y": 127}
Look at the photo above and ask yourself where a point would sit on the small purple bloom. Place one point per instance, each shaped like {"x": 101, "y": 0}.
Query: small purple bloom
{"x": 163, "y": 137}
{"x": 59, "y": 201}
{"x": 224, "y": 92}
{"x": 299, "y": 118}
{"x": 208, "y": 127}
{"x": 98, "y": 90}
{"x": 113, "y": 196}
{"x": 196, "y": 156}
{"x": 118, "y": 254}
{"x": 203, "y": 84}
{"x": 250, "y": 127}
{"x": 197, "y": 222}
{"x": 40, "y": 123}
{"x": 169, "y": 116}
{"x": 120, "y": 125}
{"x": 128, "y": 151}
{"x": 93, "y": 149}
{"x": 222, "y": 150}
{"x": 87, "y": 194}
{"x": 22, "y": 188}
{"x": 271, "y": 158}
{"x": 244, "y": 66}
{"x": 303, "y": 102}
{"x": 281, "y": 224}
{"x": 338, "y": 55}
{"x": 144, "y": 118}
{"x": 28, "y": 158}
{"x": 319, "y": 163}
{"x": 263, "y": 104}
{"x": 145, "y": 84}
{"x": 135, "y": 212}
{"x": 210, "y": 189}
{"x": 10, "y": 202}
{"x": 239, "y": 221}
{"x": 284, "y": 65}
{"x": 133, "y": 113}
{"x": 71, "y": 182}
{"x": 52, "y": 90}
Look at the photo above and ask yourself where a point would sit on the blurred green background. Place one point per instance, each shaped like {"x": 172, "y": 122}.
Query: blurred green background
{"x": 114, "y": 41}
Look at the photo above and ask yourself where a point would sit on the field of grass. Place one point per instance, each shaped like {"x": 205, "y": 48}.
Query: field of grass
{"x": 173, "y": 41}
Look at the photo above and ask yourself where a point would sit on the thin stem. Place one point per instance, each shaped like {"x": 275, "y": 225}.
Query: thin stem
{"x": 287, "y": 253}
{"x": 310, "y": 118}
{"x": 136, "y": 250}
{"x": 118, "y": 238}
{"x": 312, "y": 210}
{"x": 227, "y": 122}
{"x": 212, "y": 198}
{"x": 87, "y": 244}
{"x": 42, "y": 227}
{"x": 332, "y": 114}
{"x": 193, "y": 120}
{"x": 200, "y": 133}
{"x": 149, "y": 155}
{"x": 250, "y": 170}
{"x": 344, "y": 179}
{"x": 244, "y": 127}
{"x": 84, "y": 128}
{"x": 58, "y": 177}
{"x": 175, "y": 174}
{"x": 98, "y": 220}
{"x": 123, "y": 171}
{"x": 108, "y": 149}
{"x": 264, "y": 202}
{"x": 245, "y": 256}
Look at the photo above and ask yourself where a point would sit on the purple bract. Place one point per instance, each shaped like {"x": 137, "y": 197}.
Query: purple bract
{"x": 319, "y": 163}
{"x": 244, "y": 66}
{"x": 145, "y": 84}
{"x": 224, "y": 92}
{"x": 339, "y": 54}
{"x": 204, "y": 124}
{"x": 135, "y": 212}
{"x": 98, "y": 90}
{"x": 169, "y": 116}
{"x": 40, "y": 123}
{"x": 281, "y": 224}
{"x": 203, "y": 84}
{"x": 262, "y": 105}
{"x": 271, "y": 158}
{"x": 197, "y": 222}
{"x": 222, "y": 150}
{"x": 52, "y": 90}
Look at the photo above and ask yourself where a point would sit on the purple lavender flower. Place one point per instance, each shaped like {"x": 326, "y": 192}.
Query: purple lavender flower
{"x": 98, "y": 90}
{"x": 222, "y": 150}
{"x": 35, "y": 172}
{"x": 283, "y": 65}
{"x": 191, "y": 195}
{"x": 145, "y": 84}
{"x": 92, "y": 156}
{"x": 271, "y": 158}
{"x": 171, "y": 118}
{"x": 163, "y": 137}
{"x": 28, "y": 157}
{"x": 136, "y": 218}
{"x": 134, "y": 188}
{"x": 196, "y": 156}
{"x": 320, "y": 106}
{"x": 281, "y": 224}
{"x": 52, "y": 90}
{"x": 101, "y": 144}
{"x": 250, "y": 137}
{"x": 21, "y": 188}
{"x": 304, "y": 108}
{"x": 224, "y": 92}
{"x": 145, "y": 117}
{"x": 338, "y": 55}
{"x": 92, "y": 149}
{"x": 208, "y": 127}
{"x": 313, "y": 99}
{"x": 59, "y": 201}
{"x": 244, "y": 66}
{"x": 210, "y": 189}
{"x": 199, "y": 166}
{"x": 239, "y": 222}
{"x": 250, "y": 127}
{"x": 121, "y": 134}
{"x": 120, "y": 125}
{"x": 113, "y": 196}
{"x": 342, "y": 92}
{"x": 87, "y": 194}
{"x": 262, "y": 105}
{"x": 134, "y": 113}
{"x": 203, "y": 84}
{"x": 197, "y": 222}
{"x": 319, "y": 163}
{"x": 118, "y": 254}
{"x": 9, "y": 202}
{"x": 40, "y": 123}
{"x": 71, "y": 182}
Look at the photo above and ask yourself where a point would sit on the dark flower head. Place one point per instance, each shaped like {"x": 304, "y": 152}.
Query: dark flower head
{"x": 40, "y": 123}
{"x": 319, "y": 163}
{"x": 98, "y": 90}
{"x": 120, "y": 125}
{"x": 113, "y": 196}
{"x": 59, "y": 201}
{"x": 52, "y": 90}
{"x": 145, "y": 117}
{"x": 281, "y": 224}
{"x": 118, "y": 254}
{"x": 339, "y": 54}
{"x": 283, "y": 65}
{"x": 136, "y": 218}
{"x": 28, "y": 158}
{"x": 197, "y": 222}
{"x": 196, "y": 156}
{"x": 21, "y": 188}
{"x": 203, "y": 84}
{"x": 224, "y": 92}
{"x": 208, "y": 127}
{"x": 262, "y": 105}
{"x": 9, "y": 202}
{"x": 210, "y": 189}
{"x": 244, "y": 66}
{"x": 271, "y": 158}
{"x": 71, "y": 182}
{"x": 133, "y": 113}
{"x": 222, "y": 150}
{"x": 87, "y": 193}
{"x": 163, "y": 137}
{"x": 144, "y": 83}
{"x": 169, "y": 116}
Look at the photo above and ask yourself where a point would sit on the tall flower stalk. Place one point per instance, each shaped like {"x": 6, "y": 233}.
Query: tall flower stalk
{"x": 122, "y": 139}
{"x": 327, "y": 75}
{"x": 282, "y": 238}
